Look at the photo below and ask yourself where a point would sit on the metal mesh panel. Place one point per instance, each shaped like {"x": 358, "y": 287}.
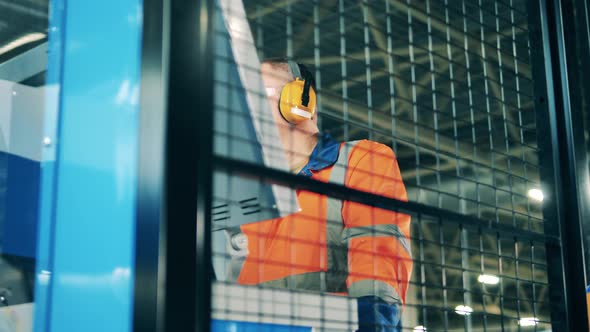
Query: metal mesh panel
{"x": 447, "y": 85}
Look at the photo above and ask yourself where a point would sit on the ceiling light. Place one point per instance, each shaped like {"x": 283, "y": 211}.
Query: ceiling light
{"x": 463, "y": 310}
{"x": 536, "y": 194}
{"x": 419, "y": 328}
{"x": 528, "y": 321}
{"x": 488, "y": 279}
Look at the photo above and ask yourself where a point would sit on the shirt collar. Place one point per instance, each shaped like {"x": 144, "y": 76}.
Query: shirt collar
{"x": 323, "y": 155}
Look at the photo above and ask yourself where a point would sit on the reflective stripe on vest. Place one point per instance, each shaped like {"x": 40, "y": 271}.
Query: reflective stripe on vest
{"x": 388, "y": 230}
{"x": 374, "y": 287}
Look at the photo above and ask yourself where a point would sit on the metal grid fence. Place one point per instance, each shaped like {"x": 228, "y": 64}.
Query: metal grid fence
{"x": 448, "y": 86}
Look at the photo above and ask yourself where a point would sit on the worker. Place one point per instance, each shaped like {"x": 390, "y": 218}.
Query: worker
{"x": 329, "y": 245}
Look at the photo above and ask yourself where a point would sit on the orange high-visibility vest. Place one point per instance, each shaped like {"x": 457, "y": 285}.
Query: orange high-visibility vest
{"x": 336, "y": 246}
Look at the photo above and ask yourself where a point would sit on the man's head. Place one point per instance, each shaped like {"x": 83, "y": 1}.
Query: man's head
{"x": 276, "y": 74}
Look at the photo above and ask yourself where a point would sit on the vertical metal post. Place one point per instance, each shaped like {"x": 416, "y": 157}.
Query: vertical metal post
{"x": 561, "y": 173}
{"x": 574, "y": 69}
{"x": 188, "y": 170}
{"x": 570, "y": 143}
{"x": 148, "y": 292}
{"x": 548, "y": 156}
{"x": 576, "y": 53}
{"x": 173, "y": 255}
{"x": 45, "y": 234}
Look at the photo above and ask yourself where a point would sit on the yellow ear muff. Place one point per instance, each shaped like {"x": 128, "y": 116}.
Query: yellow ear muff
{"x": 290, "y": 104}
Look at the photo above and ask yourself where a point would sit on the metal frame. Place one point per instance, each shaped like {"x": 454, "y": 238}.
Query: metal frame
{"x": 563, "y": 242}
{"x": 173, "y": 251}
{"x": 150, "y": 231}
{"x": 189, "y": 140}
{"x": 176, "y": 276}
{"x": 45, "y": 238}
{"x": 571, "y": 157}
{"x": 340, "y": 192}
{"x": 577, "y": 60}
{"x": 546, "y": 115}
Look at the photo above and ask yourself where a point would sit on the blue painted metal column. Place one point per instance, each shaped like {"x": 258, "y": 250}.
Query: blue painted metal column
{"x": 89, "y": 172}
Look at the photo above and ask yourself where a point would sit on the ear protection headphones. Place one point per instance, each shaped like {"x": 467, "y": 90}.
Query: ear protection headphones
{"x": 298, "y": 100}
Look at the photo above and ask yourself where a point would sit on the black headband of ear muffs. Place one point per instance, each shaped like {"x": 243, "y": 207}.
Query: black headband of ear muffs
{"x": 294, "y": 68}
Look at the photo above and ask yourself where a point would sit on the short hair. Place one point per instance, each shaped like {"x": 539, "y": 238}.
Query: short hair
{"x": 282, "y": 63}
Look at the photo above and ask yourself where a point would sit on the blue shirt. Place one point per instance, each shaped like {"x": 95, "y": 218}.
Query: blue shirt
{"x": 325, "y": 154}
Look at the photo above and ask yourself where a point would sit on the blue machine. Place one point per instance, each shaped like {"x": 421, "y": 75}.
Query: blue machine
{"x": 21, "y": 121}
{"x": 231, "y": 326}
{"x": 88, "y": 183}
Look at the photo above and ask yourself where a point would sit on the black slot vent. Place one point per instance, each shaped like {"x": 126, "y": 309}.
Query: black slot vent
{"x": 220, "y": 213}
{"x": 250, "y": 206}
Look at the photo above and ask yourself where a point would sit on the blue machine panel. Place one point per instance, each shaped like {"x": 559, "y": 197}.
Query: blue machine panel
{"x": 234, "y": 326}
{"x": 19, "y": 236}
{"x": 87, "y": 230}
{"x": 21, "y": 123}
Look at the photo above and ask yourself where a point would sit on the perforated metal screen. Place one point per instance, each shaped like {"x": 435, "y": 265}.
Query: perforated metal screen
{"x": 448, "y": 86}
